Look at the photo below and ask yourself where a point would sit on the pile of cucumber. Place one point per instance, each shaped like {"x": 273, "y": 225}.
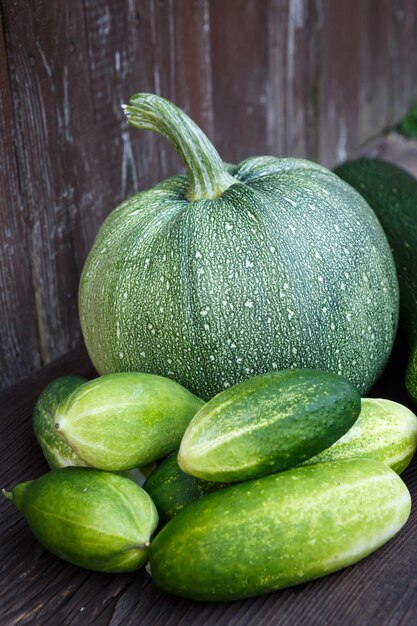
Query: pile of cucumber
{"x": 280, "y": 479}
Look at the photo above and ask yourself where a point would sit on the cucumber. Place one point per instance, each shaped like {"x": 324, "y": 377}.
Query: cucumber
{"x": 97, "y": 520}
{"x": 171, "y": 489}
{"x": 121, "y": 421}
{"x": 268, "y": 424}
{"x": 279, "y": 530}
{"x": 385, "y": 431}
{"x": 56, "y": 451}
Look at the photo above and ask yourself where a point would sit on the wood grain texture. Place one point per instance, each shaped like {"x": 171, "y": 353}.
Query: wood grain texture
{"x": 46, "y": 159}
{"x": 239, "y": 72}
{"x": 309, "y": 78}
{"x": 19, "y": 349}
{"x": 39, "y": 589}
{"x": 403, "y": 65}
{"x": 339, "y": 90}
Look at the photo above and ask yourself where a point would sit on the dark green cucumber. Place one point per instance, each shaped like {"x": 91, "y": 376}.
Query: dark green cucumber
{"x": 384, "y": 431}
{"x": 268, "y": 424}
{"x": 279, "y": 530}
{"x": 392, "y": 194}
{"x": 171, "y": 489}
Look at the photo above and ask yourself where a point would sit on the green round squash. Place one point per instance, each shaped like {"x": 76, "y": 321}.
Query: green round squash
{"x": 233, "y": 271}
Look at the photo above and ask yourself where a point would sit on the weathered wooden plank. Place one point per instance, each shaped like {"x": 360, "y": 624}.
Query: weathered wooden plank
{"x": 294, "y": 30}
{"x": 239, "y": 72}
{"x": 340, "y": 62}
{"x": 109, "y": 27}
{"x": 276, "y": 118}
{"x": 45, "y": 42}
{"x": 403, "y": 57}
{"x": 19, "y": 349}
{"x": 172, "y": 46}
{"x": 377, "y": 49}
{"x": 150, "y": 39}
{"x": 192, "y": 61}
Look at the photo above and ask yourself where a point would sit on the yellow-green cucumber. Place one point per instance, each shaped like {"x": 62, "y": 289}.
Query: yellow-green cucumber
{"x": 279, "y": 530}
{"x": 268, "y": 424}
{"x": 385, "y": 431}
{"x": 93, "y": 519}
{"x": 56, "y": 451}
{"x": 122, "y": 421}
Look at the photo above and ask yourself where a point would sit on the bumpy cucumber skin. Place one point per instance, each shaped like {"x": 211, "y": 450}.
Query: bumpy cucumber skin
{"x": 279, "y": 530}
{"x": 385, "y": 431}
{"x": 93, "y": 519}
{"x": 411, "y": 372}
{"x": 122, "y": 421}
{"x": 171, "y": 489}
{"x": 268, "y": 424}
{"x": 56, "y": 451}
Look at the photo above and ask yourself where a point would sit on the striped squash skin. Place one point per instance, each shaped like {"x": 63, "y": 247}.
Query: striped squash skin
{"x": 288, "y": 267}
{"x": 392, "y": 194}
{"x": 279, "y": 530}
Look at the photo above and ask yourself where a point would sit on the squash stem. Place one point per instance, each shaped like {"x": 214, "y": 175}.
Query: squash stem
{"x": 205, "y": 170}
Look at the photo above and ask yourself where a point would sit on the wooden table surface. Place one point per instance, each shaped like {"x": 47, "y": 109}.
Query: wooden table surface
{"x": 38, "y": 588}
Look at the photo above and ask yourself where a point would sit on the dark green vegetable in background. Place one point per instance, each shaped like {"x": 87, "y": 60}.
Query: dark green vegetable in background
{"x": 392, "y": 194}
{"x": 408, "y": 125}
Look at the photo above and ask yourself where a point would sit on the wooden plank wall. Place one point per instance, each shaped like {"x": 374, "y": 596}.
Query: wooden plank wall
{"x": 310, "y": 78}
